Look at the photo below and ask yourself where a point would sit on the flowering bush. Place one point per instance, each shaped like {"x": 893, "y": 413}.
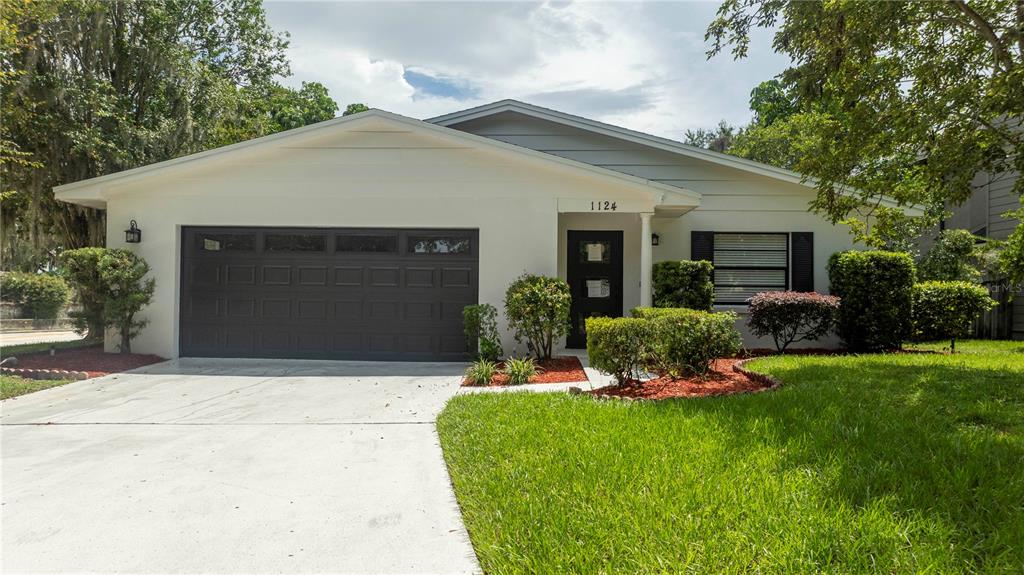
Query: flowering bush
{"x": 790, "y": 316}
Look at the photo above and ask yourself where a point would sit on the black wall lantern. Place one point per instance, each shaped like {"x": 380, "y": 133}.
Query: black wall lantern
{"x": 133, "y": 234}
{"x": 655, "y": 239}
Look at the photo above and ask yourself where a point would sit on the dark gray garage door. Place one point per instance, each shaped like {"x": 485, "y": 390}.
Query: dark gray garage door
{"x": 326, "y": 293}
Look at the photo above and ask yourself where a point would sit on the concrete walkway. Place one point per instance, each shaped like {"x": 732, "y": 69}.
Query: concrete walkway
{"x": 234, "y": 467}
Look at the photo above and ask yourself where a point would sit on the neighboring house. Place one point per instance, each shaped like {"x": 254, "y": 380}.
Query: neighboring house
{"x": 983, "y": 215}
{"x": 364, "y": 236}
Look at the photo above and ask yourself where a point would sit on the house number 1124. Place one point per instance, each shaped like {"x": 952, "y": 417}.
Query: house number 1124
{"x": 603, "y": 206}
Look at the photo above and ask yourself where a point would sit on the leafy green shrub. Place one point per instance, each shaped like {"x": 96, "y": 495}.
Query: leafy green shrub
{"x": 619, "y": 346}
{"x": 946, "y": 309}
{"x": 480, "y": 324}
{"x": 481, "y": 372}
{"x": 537, "y": 308}
{"x": 112, "y": 286}
{"x": 81, "y": 268}
{"x": 519, "y": 371}
{"x": 128, "y": 291}
{"x": 790, "y": 316}
{"x": 684, "y": 283}
{"x": 684, "y": 341}
{"x": 951, "y": 258}
{"x": 876, "y": 289}
{"x": 42, "y": 296}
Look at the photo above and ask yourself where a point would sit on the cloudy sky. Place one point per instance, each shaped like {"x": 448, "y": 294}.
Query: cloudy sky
{"x": 639, "y": 65}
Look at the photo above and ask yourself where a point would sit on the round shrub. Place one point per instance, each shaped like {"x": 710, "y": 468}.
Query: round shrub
{"x": 947, "y": 309}
{"x": 41, "y": 296}
{"x": 876, "y": 289}
{"x": 683, "y": 283}
{"x": 790, "y": 316}
{"x": 685, "y": 341}
{"x": 537, "y": 308}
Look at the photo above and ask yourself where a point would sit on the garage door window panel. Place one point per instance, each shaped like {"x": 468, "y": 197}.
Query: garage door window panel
{"x": 294, "y": 242}
{"x": 366, "y": 243}
{"x": 440, "y": 245}
{"x": 226, "y": 242}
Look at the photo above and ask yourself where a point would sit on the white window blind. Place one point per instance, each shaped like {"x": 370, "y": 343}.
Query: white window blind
{"x": 749, "y": 263}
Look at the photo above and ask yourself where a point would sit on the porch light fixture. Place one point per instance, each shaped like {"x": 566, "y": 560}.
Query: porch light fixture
{"x": 133, "y": 234}
{"x": 655, "y": 239}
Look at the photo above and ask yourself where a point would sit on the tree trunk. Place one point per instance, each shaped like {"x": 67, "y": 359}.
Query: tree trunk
{"x": 96, "y": 330}
{"x": 126, "y": 341}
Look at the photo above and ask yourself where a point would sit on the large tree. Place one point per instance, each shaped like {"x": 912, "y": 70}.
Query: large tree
{"x": 902, "y": 99}
{"x": 98, "y": 86}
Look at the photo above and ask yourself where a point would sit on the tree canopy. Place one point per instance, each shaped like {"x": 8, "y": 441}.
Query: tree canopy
{"x": 355, "y": 109}
{"x": 98, "y": 86}
{"x": 908, "y": 100}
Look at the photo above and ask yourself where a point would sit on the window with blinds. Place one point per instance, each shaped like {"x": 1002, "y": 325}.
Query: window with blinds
{"x": 749, "y": 263}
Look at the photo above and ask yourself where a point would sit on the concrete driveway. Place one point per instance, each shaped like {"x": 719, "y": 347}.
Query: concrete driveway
{"x": 234, "y": 466}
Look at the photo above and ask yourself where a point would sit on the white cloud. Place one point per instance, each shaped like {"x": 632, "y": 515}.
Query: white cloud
{"x": 636, "y": 65}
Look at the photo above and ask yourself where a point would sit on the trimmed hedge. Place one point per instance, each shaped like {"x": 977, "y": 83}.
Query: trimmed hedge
{"x": 671, "y": 341}
{"x": 947, "y": 309}
{"x": 790, "y": 316}
{"x": 876, "y": 288}
{"x": 686, "y": 340}
{"x": 683, "y": 283}
{"x": 619, "y": 346}
{"x": 41, "y": 296}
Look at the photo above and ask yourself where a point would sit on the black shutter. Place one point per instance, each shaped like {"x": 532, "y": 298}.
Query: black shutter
{"x": 802, "y": 264}
{"x": 702, "y": 246}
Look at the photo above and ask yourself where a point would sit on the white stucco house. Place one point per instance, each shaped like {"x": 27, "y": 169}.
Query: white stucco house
{"x": 364, "y": 236}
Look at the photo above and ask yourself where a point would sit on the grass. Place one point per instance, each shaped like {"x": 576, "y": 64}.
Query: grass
{"x": 13, "y": 386}
{"x": 9, "y": 350}
{"x": 906, "y": 463}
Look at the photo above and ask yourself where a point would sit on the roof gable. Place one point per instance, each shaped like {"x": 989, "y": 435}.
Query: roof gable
{"x": 321, "y": 135}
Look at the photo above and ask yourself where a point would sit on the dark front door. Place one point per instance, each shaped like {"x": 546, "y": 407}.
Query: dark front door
{"x": 337, "y": 293}
{"x": 594, "y": 271}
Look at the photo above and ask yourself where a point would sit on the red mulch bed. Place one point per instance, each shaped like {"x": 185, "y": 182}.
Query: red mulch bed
{"x": 721, "y": 380}
{"x": 91, "y": 360}
{"x": 554, "y": 370}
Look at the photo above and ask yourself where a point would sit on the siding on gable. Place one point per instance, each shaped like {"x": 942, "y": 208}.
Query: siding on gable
{"x": 613, "y": 153}
{"x": 1001, "y": 199}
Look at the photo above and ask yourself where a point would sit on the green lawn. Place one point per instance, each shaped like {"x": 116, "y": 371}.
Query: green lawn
{"x": 12, "y": 386}
{"x": 907, "y": 463}
{"x": 9, "y": 350}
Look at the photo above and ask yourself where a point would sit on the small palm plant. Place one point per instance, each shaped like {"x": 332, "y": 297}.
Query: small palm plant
{"x": 519, "y": 371}
{"x": 481, "y": 372}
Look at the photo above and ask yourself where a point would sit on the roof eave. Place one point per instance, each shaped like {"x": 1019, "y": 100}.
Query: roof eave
{"x": 644, "y": 139}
